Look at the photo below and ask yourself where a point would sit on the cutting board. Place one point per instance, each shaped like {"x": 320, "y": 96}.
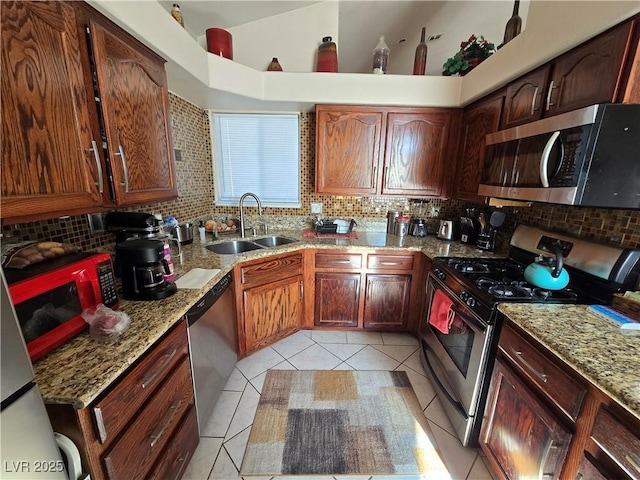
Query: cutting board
{"x": 197, "y": 278}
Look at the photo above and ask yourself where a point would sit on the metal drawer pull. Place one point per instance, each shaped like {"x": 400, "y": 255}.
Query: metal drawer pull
{"x": 181, "y": 459}
{"x": 301, "y": 291}
{"x": 391, "y": 264}
{"x": 518, "y": 354}
{"x": 633, "y": 462}
{"x": 339, "y": 262}
{"x": 147, "y": 381}
{"x": 533, "y": 102}
{"x": 125, "y": 184}
{"x": 96, "y": 156}
{"x": 157, "y": 436}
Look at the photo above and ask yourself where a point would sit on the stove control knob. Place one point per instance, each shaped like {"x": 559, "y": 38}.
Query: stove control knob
{"x": 440, "y": 274}
{"x": 464, "y": 296}
{"x": 471, "y": 301}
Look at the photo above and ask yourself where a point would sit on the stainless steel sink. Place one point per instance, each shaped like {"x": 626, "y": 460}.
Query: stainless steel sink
{"x": 232, "y": 247}
{"x": 273, "y": 241}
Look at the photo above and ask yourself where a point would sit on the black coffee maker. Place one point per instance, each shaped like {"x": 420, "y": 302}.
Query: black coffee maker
{"x": 143, "y": 268}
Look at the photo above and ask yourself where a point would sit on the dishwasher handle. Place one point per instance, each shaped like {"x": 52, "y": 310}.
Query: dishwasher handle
{"x": 208, "y": 299}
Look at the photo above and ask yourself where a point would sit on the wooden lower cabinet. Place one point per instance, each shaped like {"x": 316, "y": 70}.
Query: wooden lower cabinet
{"x": 144, "y": 425}
{"x": 270, "y": 302}
{"x": 377, "y": 291}
{"x": 337, "y": 299}
{"x": 544, "y": 420}
{"x": 519, "y": 434}
{"x": 387, "y": 301}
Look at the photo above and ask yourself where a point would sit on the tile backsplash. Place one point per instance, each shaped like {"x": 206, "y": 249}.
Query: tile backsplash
{"x": 190, "y": 130}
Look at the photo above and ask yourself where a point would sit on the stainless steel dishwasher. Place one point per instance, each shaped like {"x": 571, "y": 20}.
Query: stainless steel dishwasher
{"x": 213, "y": 342}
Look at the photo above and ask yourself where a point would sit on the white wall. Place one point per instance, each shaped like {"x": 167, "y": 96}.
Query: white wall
{"x": 292, "y": 37}
{"x": 452, "y": 20}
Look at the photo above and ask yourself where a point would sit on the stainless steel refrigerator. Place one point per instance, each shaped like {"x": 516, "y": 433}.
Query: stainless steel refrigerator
{"x": 28, "y": 448}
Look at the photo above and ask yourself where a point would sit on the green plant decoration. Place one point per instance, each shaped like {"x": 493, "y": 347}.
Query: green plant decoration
{"x": 473, "y": 51}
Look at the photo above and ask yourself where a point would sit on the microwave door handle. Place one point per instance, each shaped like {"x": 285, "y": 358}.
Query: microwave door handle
{"x": 544, "y": 162}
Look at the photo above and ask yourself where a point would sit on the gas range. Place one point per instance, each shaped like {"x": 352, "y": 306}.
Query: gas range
{"x": 494, "y": 280}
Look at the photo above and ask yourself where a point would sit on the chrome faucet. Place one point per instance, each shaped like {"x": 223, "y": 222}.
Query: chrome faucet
{"x": 248, "y": 194}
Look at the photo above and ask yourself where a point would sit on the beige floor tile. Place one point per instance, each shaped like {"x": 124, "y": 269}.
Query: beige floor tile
{"x": 371, "y": 359}
{"x": 397, "y": 352}
{"x": 203, "y": 458}
{"x": 314, "y": 358}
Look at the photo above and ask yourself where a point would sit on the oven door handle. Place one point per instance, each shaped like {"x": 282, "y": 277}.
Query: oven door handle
{"x": 470, "y": 321}
{"x": 456, "y": 404}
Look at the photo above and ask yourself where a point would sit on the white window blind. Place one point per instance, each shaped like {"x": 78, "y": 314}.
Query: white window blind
{"x": 258, "y": 153}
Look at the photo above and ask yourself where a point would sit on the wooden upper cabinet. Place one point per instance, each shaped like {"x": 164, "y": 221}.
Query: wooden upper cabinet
{"x": 590, "y": 73}
{"x": 364, "y": 150}
{"x": 135, "y": 108}
{"x": 415, "y": 148}
{"x": 524, "y": 98}
{"x": 347, "y": 150}
{"x": 48, "y": 164}
{"x": 597, "y": 71}
{"x": 478, "y": 120}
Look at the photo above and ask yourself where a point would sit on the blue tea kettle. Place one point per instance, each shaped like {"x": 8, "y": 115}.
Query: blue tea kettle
{"x": 548, "y": 273}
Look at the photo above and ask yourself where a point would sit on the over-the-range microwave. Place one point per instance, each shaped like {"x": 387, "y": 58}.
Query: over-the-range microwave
{"x": 588, "y": 157}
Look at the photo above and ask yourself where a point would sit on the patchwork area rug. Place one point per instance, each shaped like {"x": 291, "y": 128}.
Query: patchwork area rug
{"x": 319, "y": 422}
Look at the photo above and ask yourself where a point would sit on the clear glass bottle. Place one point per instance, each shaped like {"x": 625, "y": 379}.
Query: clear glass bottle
{"x": 514, "y": 25}
{"x": 327, "y": 56}
{"x": 381, "y": 57}
{"x": 420, "y": 60}
{"x": 177, "y": 14}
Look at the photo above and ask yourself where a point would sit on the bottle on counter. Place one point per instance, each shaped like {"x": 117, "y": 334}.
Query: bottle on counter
{"x": 381, "y": 56}
{"x": 202, "y": 232}
{"x": 420, "y": 60}
{"x": 402, "y": 226}
{"x": 168, "y": 277}
{"x": 274, "y": 66}
{"x": 514, "y": 25}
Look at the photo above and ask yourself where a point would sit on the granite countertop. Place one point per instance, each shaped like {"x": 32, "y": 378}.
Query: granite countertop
{"x": 78, "y": 371}
{"x": 590, "y": 344}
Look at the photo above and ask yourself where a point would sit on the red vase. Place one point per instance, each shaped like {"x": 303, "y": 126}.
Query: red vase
{"x": 220, "y": 42}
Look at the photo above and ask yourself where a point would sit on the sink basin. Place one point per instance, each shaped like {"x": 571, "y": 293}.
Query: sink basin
{"x": 233, "y": 246}
{"x": 273, "y": 241}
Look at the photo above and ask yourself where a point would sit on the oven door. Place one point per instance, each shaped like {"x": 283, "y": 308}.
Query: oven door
{"x": 456, "y": 361}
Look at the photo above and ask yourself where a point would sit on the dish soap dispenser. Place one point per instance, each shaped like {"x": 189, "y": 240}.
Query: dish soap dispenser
{"x": 381, "y": 56}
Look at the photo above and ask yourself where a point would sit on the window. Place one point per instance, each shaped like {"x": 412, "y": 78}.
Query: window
{"x": 258, "y": 153}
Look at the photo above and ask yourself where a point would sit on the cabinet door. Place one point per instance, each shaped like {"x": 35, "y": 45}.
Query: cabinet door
{"x": 48, "y": 164}
{"x": 272, "y": 312}
{"x": 524, "y": 99}
{"x": 387, "y": 301}
{"x": 415, "y": 153}
{"x": 135, "y": 108}
{"x": 347, "y": 151}
{"x": 589, "y": 73}
{"x": 337, "y": 299}
{"x": 477, "y": 121}
{"x": 519, "y": 435}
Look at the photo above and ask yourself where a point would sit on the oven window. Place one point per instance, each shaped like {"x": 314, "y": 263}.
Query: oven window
{"x": 458, "y": 343}
{"x": 47, "y": 311}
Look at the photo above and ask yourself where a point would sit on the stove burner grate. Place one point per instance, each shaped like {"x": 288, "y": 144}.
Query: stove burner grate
{"x": 515, "y": 289}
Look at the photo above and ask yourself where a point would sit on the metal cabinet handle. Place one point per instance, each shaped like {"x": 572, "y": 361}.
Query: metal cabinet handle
{"x": 301, "y": 290}
{"x": 533, "y": 102}
{"x": 552, "y": 87}
{"x": 518, "y": 354}
{"x": 96, "y": 156}
{"x": 147, "y": 381}
{"x": 391, "y": 264}
{"x": 339, "y": 262}
{"x": 181, "y": 459}
{"x": 125, "y": 184}
{"x": 633, "y": 462}
{"x": 155, "y": 437}
{"x": 375, "y": 175}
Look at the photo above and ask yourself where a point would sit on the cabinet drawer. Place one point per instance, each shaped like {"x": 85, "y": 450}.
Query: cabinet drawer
{"x": 271, "y": 270}
{"x": 390, "y": 262}
{"x": 338, "y": 260}
{"x": 124, "y": 400}
{"x": 175, "y": 458}
{"x": 135, "y": 452}
{"x": 561, "y": 388}
{"x": 619, "y": 441}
